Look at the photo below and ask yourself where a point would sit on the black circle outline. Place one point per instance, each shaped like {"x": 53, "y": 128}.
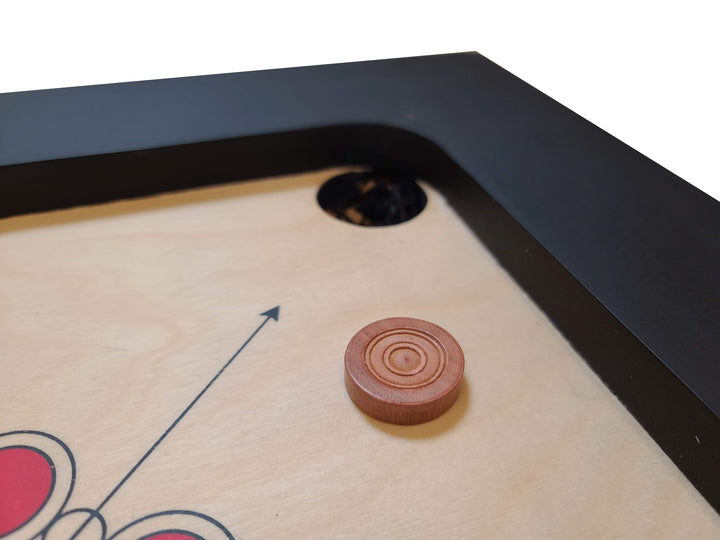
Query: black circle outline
{"x": 67, "y": 451}
{"x": 173, "y": 531}
{"x": 93, "y": 514}
{"x": 179, "y": 512}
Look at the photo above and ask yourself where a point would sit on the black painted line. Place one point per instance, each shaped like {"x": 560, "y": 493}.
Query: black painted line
{"x": 273, "y": 313}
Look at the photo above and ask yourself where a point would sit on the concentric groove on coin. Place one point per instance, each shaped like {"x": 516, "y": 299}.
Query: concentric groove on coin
{"x": 405, "y": 358}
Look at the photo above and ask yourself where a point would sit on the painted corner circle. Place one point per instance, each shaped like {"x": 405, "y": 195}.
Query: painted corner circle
{"x": 57, "y": 456}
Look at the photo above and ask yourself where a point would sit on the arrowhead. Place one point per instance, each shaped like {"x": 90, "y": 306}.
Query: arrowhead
{"x": 273, "y": 313}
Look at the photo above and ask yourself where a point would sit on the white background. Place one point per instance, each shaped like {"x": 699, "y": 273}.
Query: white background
{"x": 647, "y": 72}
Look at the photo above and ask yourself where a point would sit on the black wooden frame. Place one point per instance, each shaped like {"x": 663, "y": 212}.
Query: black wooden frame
{"x": 620, "y": 253}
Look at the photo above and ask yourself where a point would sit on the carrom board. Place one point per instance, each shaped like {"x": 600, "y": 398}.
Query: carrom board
{"x": 172, "y": 364}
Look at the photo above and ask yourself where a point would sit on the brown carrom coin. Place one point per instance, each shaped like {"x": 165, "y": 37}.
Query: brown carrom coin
{"x": 403, "y": 371}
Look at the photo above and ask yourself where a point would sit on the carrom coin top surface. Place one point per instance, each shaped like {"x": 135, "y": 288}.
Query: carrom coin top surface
{"x": 403, "y": 371}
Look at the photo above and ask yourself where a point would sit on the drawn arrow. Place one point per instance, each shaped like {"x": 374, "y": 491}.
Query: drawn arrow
{"x": 274, "y": 314}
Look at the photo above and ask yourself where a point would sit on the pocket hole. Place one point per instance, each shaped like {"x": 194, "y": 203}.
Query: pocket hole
{"x": 372, "y": 199}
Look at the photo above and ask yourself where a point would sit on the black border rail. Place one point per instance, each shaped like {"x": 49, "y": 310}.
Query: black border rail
{"x": 622, "y": 255}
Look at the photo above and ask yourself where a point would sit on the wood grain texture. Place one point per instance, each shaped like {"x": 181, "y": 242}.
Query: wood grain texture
{"x": 113, "y": 319}
{"x": 403, "y": 370}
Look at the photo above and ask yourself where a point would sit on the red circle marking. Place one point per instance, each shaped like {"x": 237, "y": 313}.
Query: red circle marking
{"x": 26, "y": 479}
{"x": 171, "y": 536}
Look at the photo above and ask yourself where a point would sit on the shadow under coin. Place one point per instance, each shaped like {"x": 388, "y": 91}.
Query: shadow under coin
{"x": 433, "y": 428}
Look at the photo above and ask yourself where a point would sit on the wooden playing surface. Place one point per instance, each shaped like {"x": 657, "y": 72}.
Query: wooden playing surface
{"x": 114, "y": 318}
